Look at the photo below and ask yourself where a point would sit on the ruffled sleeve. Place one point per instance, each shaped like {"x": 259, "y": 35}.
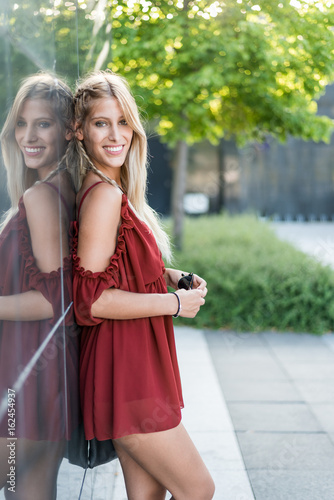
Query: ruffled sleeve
{"x": 88, "y": 286}
{"x": 56, "y": 286}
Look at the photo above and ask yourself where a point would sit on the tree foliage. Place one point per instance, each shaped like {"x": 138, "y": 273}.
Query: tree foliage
{"x": 207, "y": 69}
{"x": 201, "y": 68}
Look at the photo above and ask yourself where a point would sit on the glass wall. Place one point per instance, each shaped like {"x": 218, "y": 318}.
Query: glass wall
{"x": 43, "y": 454}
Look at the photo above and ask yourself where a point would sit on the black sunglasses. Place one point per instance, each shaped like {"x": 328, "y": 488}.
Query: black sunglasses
{"x": 186, "y": 282}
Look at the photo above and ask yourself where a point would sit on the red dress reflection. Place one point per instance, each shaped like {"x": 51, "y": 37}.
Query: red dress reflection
{"x": 45, "y": 406}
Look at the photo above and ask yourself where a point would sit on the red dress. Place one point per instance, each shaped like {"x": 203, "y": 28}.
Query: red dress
{"x": 129, "y": 376}
{"x": 46, "y": 405}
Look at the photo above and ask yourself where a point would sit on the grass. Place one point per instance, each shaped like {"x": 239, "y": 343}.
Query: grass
{"x": 255, "y": 281}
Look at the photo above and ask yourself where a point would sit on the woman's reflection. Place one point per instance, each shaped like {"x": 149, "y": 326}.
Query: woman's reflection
{"x": 35, "y": 291}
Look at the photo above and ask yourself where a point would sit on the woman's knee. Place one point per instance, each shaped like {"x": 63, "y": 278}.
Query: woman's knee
{"x": 203, "y": 490}
{"x": 208, "y": 489}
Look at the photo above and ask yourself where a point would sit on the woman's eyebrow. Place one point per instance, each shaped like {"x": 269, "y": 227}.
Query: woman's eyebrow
{"x": 49, "y": 118}
{"x": 121, "y": 117}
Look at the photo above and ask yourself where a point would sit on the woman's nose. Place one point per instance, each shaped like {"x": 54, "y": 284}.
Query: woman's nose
{"x": 114, "y": 134}
{"x": 30, "y": 133}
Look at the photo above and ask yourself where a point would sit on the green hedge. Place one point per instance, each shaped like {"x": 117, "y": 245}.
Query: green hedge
{"x": 255, "y": 281}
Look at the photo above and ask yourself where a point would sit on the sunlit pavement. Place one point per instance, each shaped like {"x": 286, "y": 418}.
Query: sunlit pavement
{"x": 313, "y": 238}
{"x": 279, "y": 391}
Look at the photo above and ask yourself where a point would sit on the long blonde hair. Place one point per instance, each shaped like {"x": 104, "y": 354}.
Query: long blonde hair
{"x": 133, "y": 173}
{"x": 39, "y": 86}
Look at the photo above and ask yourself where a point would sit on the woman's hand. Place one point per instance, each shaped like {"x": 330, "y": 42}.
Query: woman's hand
{"x": 191, "y": 301}
{"x": 172, "y": 277}
{"x": 200, "y": 284}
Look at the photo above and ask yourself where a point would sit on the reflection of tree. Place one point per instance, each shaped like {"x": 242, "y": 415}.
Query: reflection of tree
{"x": 43, "y": 35}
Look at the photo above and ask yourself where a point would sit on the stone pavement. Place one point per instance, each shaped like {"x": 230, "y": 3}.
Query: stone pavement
{"x": 279, "y": 390}
{"x": 314, "y": 238}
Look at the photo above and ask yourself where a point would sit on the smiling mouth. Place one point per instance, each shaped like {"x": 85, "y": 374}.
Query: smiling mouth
{"x": 113, "y": 149}
{"x": 33, "y": 150}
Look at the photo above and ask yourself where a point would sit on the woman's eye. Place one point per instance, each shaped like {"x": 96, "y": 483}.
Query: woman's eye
{"x": 123, "y": 122}
{"x": 20, "y": 123}
{"x": 44, "y": 124}
{"x": 100, "y": 124}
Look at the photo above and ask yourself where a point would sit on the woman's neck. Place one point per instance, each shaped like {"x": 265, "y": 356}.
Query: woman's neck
{"x": 103, "y": 176}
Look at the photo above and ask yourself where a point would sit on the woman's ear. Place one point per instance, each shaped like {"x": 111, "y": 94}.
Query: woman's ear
{"x": 69, "y": 134}
{"x": 78, "y": 132}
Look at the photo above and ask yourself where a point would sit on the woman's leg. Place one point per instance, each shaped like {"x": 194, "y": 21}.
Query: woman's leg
{"x": 171, "y": 459}
{"x": 36, "y": 469}
{"x": 140, "y": 485}
{"x": 3, "y": 462}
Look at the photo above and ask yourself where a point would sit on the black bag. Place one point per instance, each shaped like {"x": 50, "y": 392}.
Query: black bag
{"x": 88, "y": 454}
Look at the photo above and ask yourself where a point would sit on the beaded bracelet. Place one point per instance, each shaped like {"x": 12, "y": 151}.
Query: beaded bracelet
{"x": 179, "y": 309}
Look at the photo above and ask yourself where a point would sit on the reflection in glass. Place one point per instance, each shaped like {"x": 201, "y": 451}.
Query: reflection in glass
{"x": 54, "y": 36}
{"x": 38, "y": 337}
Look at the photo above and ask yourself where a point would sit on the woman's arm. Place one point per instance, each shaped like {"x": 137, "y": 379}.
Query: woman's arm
{"x": 99, "y": 223}
{"x": 49, "y": 241}
{"x": 28, "y": 306}
{"x": 119, "y": 304}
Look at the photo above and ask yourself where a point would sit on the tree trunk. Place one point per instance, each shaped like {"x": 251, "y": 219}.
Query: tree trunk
{"x": 227, "y": 162}
{"x": 221, "y": 176}
{"x": 178, "y": 192}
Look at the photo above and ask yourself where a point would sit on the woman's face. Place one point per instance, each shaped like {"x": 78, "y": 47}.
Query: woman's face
{"x": 40, "y": 136}
{"x": 106, "y": 136}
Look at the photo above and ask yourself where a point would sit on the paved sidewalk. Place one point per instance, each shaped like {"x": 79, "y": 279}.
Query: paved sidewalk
{"x": 279, "y": 390}
{"x": 313, "y": 238}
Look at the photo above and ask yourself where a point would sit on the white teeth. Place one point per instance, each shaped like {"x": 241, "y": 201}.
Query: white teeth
{"x": 114, "y": 149}
{"x": 33, "y": 150}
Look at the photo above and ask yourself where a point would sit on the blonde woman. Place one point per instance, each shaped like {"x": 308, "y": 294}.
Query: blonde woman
{"x": 130, "y": 384}
{"x": 35, "y": 290}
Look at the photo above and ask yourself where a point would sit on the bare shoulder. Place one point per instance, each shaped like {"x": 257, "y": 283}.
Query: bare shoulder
{"x": 45, "y": 226}
{"x": 41, "y": 203}
{"x": 39, "y": 193}
{"x": 98, "y": 225}
{"x": 103, "y": 200}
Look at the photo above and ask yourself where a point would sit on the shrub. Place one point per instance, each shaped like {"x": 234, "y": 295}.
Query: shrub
{"x": 255, "y": 281}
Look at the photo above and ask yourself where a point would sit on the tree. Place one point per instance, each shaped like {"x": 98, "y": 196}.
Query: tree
{"x": 208, "y": 69}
